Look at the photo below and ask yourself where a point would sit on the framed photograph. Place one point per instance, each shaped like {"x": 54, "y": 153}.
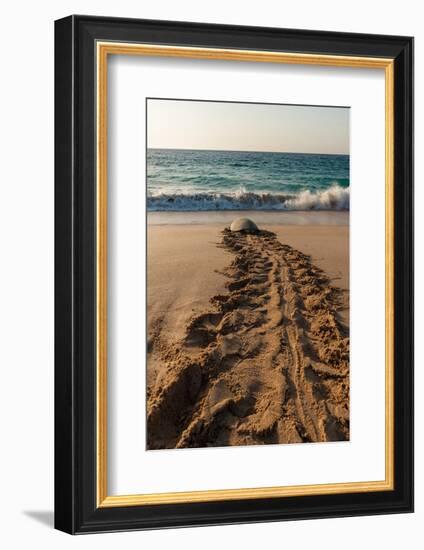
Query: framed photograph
{"x": 234, "y": 274}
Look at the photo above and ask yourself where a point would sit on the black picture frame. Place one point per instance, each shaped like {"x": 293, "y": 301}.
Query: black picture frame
{"x": 76, "y": 509}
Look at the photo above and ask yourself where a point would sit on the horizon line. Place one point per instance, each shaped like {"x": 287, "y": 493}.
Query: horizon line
{"x": 245, "y": 151}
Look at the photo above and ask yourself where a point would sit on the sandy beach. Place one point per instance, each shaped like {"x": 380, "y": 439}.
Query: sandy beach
{"x": 247, "y": 334}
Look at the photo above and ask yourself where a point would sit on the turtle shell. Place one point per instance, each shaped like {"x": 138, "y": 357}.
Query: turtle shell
{"x": 244, "y": 224}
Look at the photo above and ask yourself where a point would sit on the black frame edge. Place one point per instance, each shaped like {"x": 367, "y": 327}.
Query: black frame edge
{"x": 64, "y": 449}
{"x": 404, "y": 270}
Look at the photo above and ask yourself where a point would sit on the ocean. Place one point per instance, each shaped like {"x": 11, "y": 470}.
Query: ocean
{"x": 200, "y": 180}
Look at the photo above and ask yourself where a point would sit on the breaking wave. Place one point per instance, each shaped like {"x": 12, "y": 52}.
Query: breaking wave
{"x": 333, "y": 198}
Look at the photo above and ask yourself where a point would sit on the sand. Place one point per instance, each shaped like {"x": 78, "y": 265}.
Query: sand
{"x": 247, "y": 334}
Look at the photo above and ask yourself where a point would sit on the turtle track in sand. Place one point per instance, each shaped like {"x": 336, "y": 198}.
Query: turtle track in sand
{"x": 268, "y": 363}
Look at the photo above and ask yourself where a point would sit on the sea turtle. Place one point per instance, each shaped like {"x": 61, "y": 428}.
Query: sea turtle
{"x": 244, "y": 224}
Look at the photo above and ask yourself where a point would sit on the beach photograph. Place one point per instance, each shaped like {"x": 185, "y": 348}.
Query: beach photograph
{"x": 247, "y": 274}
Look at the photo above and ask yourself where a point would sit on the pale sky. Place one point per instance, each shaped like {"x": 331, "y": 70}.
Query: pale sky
{"x": 184, "y": 124}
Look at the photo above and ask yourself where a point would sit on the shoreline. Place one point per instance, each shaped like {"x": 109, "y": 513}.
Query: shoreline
{"x": 262, "y": 217}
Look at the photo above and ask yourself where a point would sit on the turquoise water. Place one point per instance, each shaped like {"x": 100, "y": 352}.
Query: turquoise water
{"x": 193, "y": 180}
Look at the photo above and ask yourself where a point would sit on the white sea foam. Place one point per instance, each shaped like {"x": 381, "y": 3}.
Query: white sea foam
{"x": 333, "y": 198}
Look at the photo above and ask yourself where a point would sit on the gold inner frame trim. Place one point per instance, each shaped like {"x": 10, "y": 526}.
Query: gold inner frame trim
{"x": 104, "y": 49}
